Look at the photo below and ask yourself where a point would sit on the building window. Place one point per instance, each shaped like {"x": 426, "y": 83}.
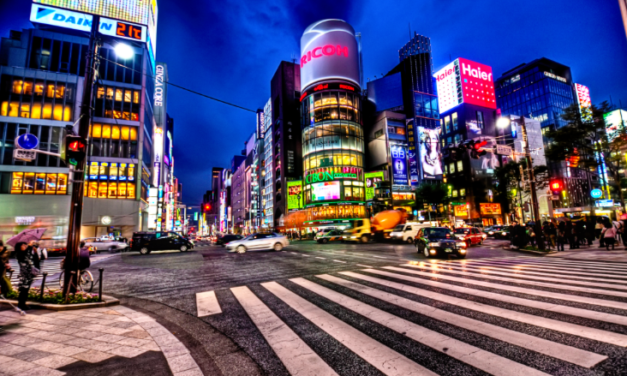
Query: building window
{"x": 458, "y": 138}
{"x": 455, "y": 193}
{"x": 462, "y": 192}
{"x": 28, "y": 183}
{"x": 113, "y": 190}
{"x": 447, "y": 124}
{"x": 117, "y": 103}
{"x": 113, "y": 141}
{"x": 460, "y": 166}
{"x": 480, "y": 119}
{"x": 454, "y": 121}
{"x": 451, "y": 168}
{"x": 36, "y": 99}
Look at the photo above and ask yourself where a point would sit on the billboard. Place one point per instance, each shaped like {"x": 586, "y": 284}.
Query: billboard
{"x": 325, "y": 191}
{"x": 461, "y": 210}
{"x": 294, "y": 195}
{"x": 430, "y": 156}
{"x": 399, "y": 164}
{"x": 485, "y": 164}
{"x": 412, "y": 153}
{"x": 615, "y": 123}
{"x": 329, "y": 51}
{"x": 583, "y": 99}
{"x": 465, "y": 81}
{"x": 60, "y": 17}
{"x": 490, "y": 208}
{"x": 371, "y": 179}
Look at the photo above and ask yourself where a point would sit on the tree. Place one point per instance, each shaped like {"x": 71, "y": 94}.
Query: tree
{"x": 432, "y": 194}
{"x": 508, "y": 181}
{"x": 585, "y": 138}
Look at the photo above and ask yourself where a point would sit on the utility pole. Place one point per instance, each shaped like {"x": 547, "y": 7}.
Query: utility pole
{"x": 532, "y": 185}
{"x": 76, "y": 205}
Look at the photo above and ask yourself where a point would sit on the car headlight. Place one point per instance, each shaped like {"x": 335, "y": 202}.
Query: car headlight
{"x": 433, "y": 251}
{"x": 491, "y": 232}
{"x": 462, "y": 245}
{"x": 435, "y": 244}
{"x": 353, "y": 237}
{"x": 504, "y": 233}
{"x": 462, "y": 251}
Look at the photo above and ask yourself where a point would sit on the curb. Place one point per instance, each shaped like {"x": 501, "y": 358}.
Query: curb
{"x": 530, "y": 251}
{"x": 107, "y": 301}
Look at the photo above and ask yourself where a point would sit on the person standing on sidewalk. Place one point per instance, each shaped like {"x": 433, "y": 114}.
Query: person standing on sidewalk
{"x": 28, "y": 272}
{"x": 5, "y": 282}
{"x": 598, "y": 229}
{"x": 609, "y": 236}
{"x": 561, "y": 236}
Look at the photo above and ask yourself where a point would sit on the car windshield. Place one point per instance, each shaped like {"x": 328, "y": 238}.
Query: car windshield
{"x": 438, "y": 233}
{"x": 462, "y": 230}
{"x": 399, "y": 228}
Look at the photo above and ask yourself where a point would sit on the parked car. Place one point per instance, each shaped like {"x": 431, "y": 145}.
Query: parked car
{"x": 105, "y": 244}
{"x": 148, "y": 241}
{"x": 438, "y": 241}
{"x": 222, "y": 240}
{"x": 470, "y": 235}
{"x": 258, "y": 242}
{"x": 503, "y": 233}
{"x": 54, "y": 247}
{"x": 490, "y": 231}
{"x": 330, "y": 236}
{"x": 407, "y": 232}
{"x": 322, "y": 232}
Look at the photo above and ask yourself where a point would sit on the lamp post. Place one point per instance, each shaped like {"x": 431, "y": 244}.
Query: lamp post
{"x": 502, "y": 123}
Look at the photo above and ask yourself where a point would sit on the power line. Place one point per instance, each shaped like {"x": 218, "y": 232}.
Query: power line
{"x": 181, "y": 87}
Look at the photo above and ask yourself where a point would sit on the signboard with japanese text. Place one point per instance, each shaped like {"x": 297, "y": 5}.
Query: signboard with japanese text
{"x": 412, "y": 153}
{"x": 372, "y": 178}
{"x": 399, "y": 164}
{"x": 490, "y": 208}
{"x": 294, "y": 195}
{"x": 461, "y": 210}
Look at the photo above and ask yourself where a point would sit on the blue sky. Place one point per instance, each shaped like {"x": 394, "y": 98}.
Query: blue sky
{"x": 230, "y": 50}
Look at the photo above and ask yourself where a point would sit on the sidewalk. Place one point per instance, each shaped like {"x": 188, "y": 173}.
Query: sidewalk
{"x": 98, "y": 341}
{"x": 594, "y": 253}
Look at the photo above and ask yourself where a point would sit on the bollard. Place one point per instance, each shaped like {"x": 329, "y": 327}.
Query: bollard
{"x": 100, "y": 285}
{"x": 43, "y": 284}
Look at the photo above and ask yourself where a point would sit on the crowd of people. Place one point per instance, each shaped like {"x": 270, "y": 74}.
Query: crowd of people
{"x": 557, "y": 233}
{"x": 30, "y": 258}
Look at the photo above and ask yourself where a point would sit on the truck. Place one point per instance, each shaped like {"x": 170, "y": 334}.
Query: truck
{"x": 360, "y": 231}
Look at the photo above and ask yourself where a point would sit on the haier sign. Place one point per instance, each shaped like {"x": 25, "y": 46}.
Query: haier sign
{"x": 465, "y": 81}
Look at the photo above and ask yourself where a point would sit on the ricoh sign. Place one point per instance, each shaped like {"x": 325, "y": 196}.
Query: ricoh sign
{"x": 328, "y": 52}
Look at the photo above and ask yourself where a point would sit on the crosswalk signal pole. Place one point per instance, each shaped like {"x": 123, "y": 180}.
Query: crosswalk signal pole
{"x": 532, "y": 186}
{"x": 76, "y": 205}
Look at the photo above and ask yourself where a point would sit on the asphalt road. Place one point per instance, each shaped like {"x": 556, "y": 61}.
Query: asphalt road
{"x": 379, "y": 309}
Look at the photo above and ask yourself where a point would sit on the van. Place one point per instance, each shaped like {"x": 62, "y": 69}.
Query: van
{"x": 361, "y": 231}
{"x": 407, "y": 232}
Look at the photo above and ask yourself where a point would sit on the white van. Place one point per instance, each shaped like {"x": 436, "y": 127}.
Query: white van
{"x": 407, "y": 232}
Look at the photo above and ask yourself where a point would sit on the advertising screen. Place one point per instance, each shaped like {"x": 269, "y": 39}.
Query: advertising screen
{"x": 485, "y": 164}
{"x": 490, "y": 208}
{"x": 138, "y": 11}
{"x": 412, "y": 153}
{"x": 615, "y": 123}
{"x": 328, "y": 50}
{"x": 461, "y": 210}
{"x": 430, "y": 161}
{"x": 325, "y": 191}
{"x": 446, "y": 82}
{"x": 371, "y": 179}
{"x": 294, "y": 195}
{"x": 399, "y": 164}
{"x": 465, "y": 81}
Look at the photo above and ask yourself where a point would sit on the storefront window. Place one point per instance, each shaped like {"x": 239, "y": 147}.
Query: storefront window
{"x": 38, "y": 183}
{"x": 102, "y": 190}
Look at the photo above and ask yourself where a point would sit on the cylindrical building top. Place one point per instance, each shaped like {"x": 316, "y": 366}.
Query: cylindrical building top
{"x": 329, "y": 51}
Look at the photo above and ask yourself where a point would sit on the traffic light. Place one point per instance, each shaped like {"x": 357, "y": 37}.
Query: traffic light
{"x": 207, "y": 207}
{"x": 75, "y": 149}
{"x": 556, "y": 187}
{"x": 477, "y": 149}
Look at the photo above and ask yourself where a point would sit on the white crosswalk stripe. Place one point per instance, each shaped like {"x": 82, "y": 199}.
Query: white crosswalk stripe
{"x": 496, "y": 315}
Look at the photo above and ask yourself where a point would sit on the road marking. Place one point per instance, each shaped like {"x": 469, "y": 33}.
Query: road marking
{"x": 542, "y": 277}
{"x": 298, "y": 358}
{"x": 305, "y": 255}
{"x": 528, "y": 291}
{"x": 365, "y": 266}
{"x": 585, "y": 265}
{"x": 481, "y": 359}
{"x": 540, "y": 284}
{"x": 567, "y": 353}
{"x": 560, "y": 326}
{"x": 380, "y": 356}
{"x": 207, "y": 304}
{"x": 380, "y": 257}
{"x": 343, "y": 262}
{"x": 322, "y": 258}
{"x": 563, "y": 269}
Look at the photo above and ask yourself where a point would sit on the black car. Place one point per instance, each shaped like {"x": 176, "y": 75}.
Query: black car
{"x": 222, "y": 240}
{"x": 439, "y": 241}
{"x": 503, "y": 233}
{"x": 148, "y": 241}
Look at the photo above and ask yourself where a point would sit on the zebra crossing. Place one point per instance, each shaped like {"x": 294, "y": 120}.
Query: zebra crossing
{"x": 497, "y": 316}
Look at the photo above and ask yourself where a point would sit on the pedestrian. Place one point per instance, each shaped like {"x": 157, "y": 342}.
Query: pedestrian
{"x": 609, "y": 236}
{"x": 590, "y": 224}
{"x": 570, "y": 235}
{"x": 532, "y": 236}
{"x": 561, "y": 236}
{"x": 5, "y": 267}
{"x": 28, "y": 272}
{"x": 580, "y": 230}
{"x": 619, "y": 231}
{"x": 623, "y": 223}
{"x": 38, "y": 255}
{"x": 546, "y": 230}
{"x": 598, "y": 228}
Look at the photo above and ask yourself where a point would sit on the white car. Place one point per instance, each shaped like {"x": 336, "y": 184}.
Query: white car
{"x": 103, "y": 244}
{"x": 258, "y": 242}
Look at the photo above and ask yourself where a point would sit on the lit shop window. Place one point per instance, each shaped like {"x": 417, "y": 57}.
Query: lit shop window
{"x": 29, "y": 183}
{"x": 111, "y": 171}
{"x": 48, "y": 111}
{"x": 114, "y": 132}
{"x": 117, "y": 190}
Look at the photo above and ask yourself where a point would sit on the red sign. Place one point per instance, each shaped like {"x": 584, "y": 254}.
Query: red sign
{"x": 327, "y": 50}
{"x": 477, "y": 84}
{"x": 490, "y": 208}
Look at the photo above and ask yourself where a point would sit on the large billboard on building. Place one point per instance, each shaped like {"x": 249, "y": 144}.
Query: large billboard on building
{"x": 328, "y": 51}
{"x": 615, "y": 122}
{"x": 294, "y": 195}
{"x": 399, "y": 164}
{"x": 412, "y": 153}
{"x": 430, "y": 156}
{"x": 372, "y": 178}
{"x": 583, "y": 99}
{"x": 465, "y": 81}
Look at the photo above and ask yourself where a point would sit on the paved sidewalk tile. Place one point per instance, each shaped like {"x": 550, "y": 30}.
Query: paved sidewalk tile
{"x": 11, "y": 349}
{"x": 40, "y": 371}
{"x": 93, "y": 356}
{"x": 55, "y": 361}
{"x": 127, "y": 352}
{"x": 30, "y": 355}
{"x": 16, "y": 366}
{"x": 182, "y": 363}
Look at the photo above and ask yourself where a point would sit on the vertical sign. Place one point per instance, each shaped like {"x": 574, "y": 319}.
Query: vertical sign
{"x": 583, "y": 98}
{"x": 399, "y": 164}
{"x": 412, "y": 155}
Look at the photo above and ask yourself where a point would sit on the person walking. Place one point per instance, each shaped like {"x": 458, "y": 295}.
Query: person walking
{"x": 28, "y": 272}
{"x": 532, "y": 236}
{"x": 561, "y": 236}
{"x": 623, "y": 223}
{"x": 5, "y": 282}
{"x": 598, "y": 229}
{"x": 609, "y": 236}
{"x": 580, "y": 230}
{"x": 570, "y": 234}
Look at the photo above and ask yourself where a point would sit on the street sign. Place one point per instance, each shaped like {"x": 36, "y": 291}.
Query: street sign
{"x": 24, "y": 155}
{"x": 503, "y": 150}
{"x": 596, "y": 193}
{"x": 27, "y": 141}
{"x": 604, "y": 203}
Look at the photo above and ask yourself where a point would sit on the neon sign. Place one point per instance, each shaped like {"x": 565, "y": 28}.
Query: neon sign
{"x": 327, "y": 50}
{"x": 333, "y": 173}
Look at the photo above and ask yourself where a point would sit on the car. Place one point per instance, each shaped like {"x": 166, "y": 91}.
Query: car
{"x": 105, "y": 244}
{"x": 222, "y": 240}
{"x": 258, "y": 242}
{"x": 470, "y": 235}
{"x": 490, "y": 231}
{"x": 439, "y": 241}
{"x": 330, "y": 236}
{"x": 407, "y": 232}
{"x": 148, "y": 241}
{"x": 323, "y": 232}
{"x": 54, "y": 247}
{"x": 503, "y": 233}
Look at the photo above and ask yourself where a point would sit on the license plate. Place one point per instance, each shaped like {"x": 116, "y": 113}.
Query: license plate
{"x": 448, "y": 250}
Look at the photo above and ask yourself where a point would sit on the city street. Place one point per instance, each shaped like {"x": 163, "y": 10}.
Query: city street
{"x": 382, "y": 309}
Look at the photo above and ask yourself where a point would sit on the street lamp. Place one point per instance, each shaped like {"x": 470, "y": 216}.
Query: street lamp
{"x": 124, "y": 51}
{"x": 503, "y": 122}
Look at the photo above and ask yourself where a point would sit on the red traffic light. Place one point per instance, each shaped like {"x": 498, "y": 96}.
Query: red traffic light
{"x": 76, "y": 146}
{"x": 207, "y": 207}
{"x": 480, "y": 145}
{"x": 556, "y": 186}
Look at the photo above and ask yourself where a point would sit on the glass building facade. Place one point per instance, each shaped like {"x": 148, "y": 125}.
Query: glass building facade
{"x": 333, "y": 154}
{"x": 540, "y": 90}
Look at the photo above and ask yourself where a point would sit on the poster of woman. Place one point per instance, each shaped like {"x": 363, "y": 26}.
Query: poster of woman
{"x": 430, "y": 158}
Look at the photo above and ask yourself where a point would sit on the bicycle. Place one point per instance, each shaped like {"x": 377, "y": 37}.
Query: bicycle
{"x": 85, "y": 280}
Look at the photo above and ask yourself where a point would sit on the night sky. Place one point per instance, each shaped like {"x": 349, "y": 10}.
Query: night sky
{"x": 230, "y": 50}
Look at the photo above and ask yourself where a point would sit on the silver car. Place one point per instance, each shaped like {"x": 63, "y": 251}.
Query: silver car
{"x": 104, "y": 244}
{"x": 258, "y": 242}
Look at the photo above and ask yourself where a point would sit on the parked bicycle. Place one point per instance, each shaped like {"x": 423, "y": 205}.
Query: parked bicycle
{"x": 85, "y": 281}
